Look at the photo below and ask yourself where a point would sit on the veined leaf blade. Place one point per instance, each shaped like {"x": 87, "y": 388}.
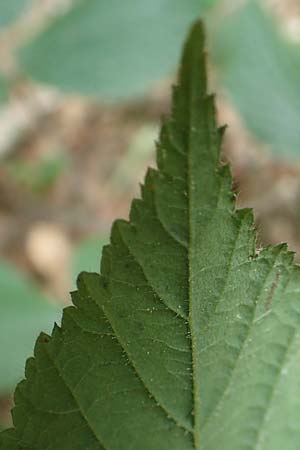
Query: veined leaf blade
{"x": 188, "y": 339}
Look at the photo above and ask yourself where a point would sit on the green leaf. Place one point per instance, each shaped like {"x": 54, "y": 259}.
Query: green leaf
{"x": 188, "y": 339}
{"x": 39, "y": 176}
{"x": 4, "y": 87}
{"x": 110, "y": 48}
{"x": 9, "y": 441}
{"x": 10, "y": 10}
{"x": 87, "y": 255}
{"x": 23, "y": 313}
{"x": 261, "y": 72}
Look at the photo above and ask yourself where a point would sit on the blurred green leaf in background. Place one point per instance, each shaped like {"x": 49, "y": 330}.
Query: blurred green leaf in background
{"x": 3, "y": 90}
{"x": 116, "y": 50}
{"x": 261, "y": 72}
{"x": 87, "y": 256}
{"x": 38, "y": 177}
{"x": 10, "y": 10}
{"x": 24, "y": 313}
{"x": 110, "y": 48}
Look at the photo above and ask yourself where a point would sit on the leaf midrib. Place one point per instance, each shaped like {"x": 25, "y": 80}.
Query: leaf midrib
{"x": 196, "y": 393}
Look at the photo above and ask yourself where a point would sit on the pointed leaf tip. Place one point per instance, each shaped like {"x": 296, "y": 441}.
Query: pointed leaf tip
{"x": 192, "y": 70}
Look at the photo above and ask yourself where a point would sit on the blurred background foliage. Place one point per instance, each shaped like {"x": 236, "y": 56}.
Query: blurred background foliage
{"x": 84, "y": 85}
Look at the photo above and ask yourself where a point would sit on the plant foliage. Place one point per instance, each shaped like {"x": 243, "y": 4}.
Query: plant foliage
{"x": 189, "y": 338}
{"x": 9, "y": 11}
{"x": 139, "y": 37}
{"x": 248, "y": 48}
{"x": 25, "y": 311}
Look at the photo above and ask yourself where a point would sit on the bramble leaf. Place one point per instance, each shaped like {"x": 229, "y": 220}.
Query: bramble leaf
{"x": 9, "y": 11}
{"x": 25, "y": 311}
{"x": 188, "y": 339}
{"x": 94, "y": 39}
{"x": 248, "y": 47}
